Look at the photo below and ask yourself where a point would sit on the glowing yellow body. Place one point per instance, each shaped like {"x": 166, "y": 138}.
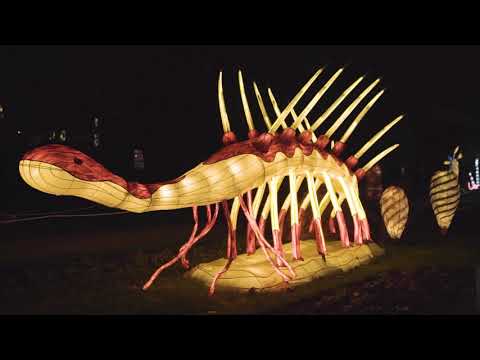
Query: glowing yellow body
{"x": 205, "y": 184}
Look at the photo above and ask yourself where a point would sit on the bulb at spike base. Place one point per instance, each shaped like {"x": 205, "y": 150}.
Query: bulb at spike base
{"x": 338, "y": 148}
{"x": 322, "y": 142}
{"x": 253, "y": 134}
{"x": 229, "y": 138}
{"x": 305, "y": 138}
{"x": 360, "y": 173}
{"x": 351, "y": 162}
{"x": 262, "y": 142}
{"x": 287, "y": 136}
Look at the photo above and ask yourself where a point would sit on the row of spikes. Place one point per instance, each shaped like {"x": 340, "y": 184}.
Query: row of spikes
{"x": 280, "y": 117}
{"x": 298, "y": 120}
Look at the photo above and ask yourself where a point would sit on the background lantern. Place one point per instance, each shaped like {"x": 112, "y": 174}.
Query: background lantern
{"x": 394, "y": 208}
{"x": 445, "y": 192}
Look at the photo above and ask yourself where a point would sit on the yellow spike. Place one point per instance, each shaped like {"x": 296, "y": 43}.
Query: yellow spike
{"x": 315, "y": 99}
{"x": 258, "y": 199}
{"x": 456, "y": 150}
{"x": 346, "y": 194}
{"x": 293, "y": 196}
{"x": 266, "y": 206}
{"x": 324, "y": 203}
{"x": 376, "y": 137}
{"x": 293, "y": 102}
{"x": 275, "y": 107}
{"x": 360, "y": 116}
{"x": 306, "y": 199}
{"x": 307, "y": 124}
{"x": 350, "y": 109}
{"x": 262, "y": 107}
{"x": 341, "y": 199}
{"x": 313, "y": 196}
{"x": 272, "y": 185}
{"x": 221, "y": 104}
{"x": 379, "y": 157}
{"x": 234, "y": 212}
{"x": 288, "y": 199}
{"x": 331, "y": 191}
{"x": 246, "y": 108}
{"x": 332, "y": 107}
{"x": 294, "y": 114}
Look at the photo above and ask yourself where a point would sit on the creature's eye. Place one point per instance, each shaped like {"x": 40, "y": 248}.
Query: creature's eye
{"x": 77, "y": 161}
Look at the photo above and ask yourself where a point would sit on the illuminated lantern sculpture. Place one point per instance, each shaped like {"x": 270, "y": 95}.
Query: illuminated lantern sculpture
{"x": 238, "y": 176}
{"x": 474, "y": 184}
{"x": 445, "y": 192}
{"x": 394, "y": 209}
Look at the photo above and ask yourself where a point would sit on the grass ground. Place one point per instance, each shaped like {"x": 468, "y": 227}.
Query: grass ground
{"x": 81, "y": 268}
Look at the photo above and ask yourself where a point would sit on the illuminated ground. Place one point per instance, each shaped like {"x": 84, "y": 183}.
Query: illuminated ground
{"x": 96, "y": 266}
{"x": 255, "y": 273}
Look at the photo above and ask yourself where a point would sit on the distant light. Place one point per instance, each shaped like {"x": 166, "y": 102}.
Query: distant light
{"x": 19, "y": 132}
{"x": 474, "y": 184}
{"x": 63, "y": 135}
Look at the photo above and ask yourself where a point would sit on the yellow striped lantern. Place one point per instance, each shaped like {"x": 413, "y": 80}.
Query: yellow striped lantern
{"x": 445, "y": 192}
{"x": 394, "y": 208}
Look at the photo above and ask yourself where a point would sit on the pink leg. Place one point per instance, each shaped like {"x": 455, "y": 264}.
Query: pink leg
{"x": 319, "y": 239}
{"x": 301, "y": 220}
{"x": 343, "y": 229}
{"x": 277, "y": 244}
{"x": 261, "y": 225}
{"x": 184, "y": 260}
{"x": 211, "y": 291}
{"x": 296, "y": 250}
{"x": 186, "y": 247}
{"x": 264, "y": 244}
{"x": 331, "y": 226}
{"x": 365, "y": 229}
{"x": 183, "y": 250}
{"x": 281, "y": 222}
{"x": 232, "y": 238}
{"x": 209, "y": 213}
{"x": 357, "y": 234}
{"x": 310, "y": 227}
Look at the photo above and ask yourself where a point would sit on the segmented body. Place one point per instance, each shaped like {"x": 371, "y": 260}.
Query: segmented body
{"x": 206, "y": 184}
{"x": 445, "y": 191}
{"x": 248, "y": 168}
{"x": 394, "y": 208}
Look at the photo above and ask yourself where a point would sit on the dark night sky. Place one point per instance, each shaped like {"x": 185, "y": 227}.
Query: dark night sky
{"x": 164, "y": 97}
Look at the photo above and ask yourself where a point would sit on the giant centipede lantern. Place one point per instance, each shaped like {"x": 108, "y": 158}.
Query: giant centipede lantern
{"x": 237, "y": 177}
{"x": 445, "y": 191}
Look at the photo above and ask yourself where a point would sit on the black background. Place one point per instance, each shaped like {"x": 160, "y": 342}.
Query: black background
{"x": 163, "y": 98}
